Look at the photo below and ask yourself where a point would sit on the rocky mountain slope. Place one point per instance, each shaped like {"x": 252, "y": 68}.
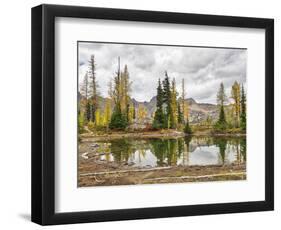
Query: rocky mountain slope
{"x": 198, "y": 112}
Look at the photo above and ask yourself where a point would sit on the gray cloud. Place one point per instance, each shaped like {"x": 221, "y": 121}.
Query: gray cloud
{"x": 202, "y": 68}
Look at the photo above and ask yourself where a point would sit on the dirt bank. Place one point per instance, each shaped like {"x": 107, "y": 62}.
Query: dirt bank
{"x": 176, "y": 174}
{"x": 152, "y": 134}
{"x": 97, "y": 168}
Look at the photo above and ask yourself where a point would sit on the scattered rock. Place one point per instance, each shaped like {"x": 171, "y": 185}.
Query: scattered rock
{"x": 148, "y": 166}
{"x": 95, "y": 145}
{"x": 85, "y": 155}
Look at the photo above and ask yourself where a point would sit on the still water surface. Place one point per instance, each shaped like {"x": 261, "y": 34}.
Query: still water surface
{"x": 157, "y": 152}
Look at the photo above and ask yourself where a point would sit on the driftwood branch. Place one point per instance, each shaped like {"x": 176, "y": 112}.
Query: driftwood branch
{"x": 124, "y": 171}
{"x": 197, "y": 177}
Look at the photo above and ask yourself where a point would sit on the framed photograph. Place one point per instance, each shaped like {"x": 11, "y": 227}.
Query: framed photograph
{"x": 142, "y": 114}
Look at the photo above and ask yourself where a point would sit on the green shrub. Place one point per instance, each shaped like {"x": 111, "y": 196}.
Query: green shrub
{"x": 187, "y": 128}
{"x": 118, "y": 121}
{"x": 91, "y": 125}
{"x": 157, "y": 125}
{"x": 220, "y": 126}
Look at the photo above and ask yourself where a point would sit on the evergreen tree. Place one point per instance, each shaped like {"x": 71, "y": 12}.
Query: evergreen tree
{"x": 221, "y": 96}
{"x": 221, "y": 124}
{"x": 243, "y": 109}
{"x": 222, "y": 116}
{"x": 167, "y": 101}
{"x": 180, "y": 115}
{"x": 187, "y": 128}
{"x": 134, "y": 111}
{"x": 221, "y": 99}
{"x": 88, "y": 111}
{"x": 94, "y": 85}
{"x": 158, "y": 121}
{"x": 118, "y": 120}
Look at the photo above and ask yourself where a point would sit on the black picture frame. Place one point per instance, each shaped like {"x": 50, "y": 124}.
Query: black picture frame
{"x": 43, "y": 114}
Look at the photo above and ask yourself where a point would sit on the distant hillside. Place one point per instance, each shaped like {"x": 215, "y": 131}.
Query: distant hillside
{"x": 197, "y": 111}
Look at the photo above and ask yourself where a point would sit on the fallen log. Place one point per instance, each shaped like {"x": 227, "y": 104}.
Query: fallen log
{"x": 197, "y": 177}
{"x": 93, "y": 154}
{"x": 124, "y": 171}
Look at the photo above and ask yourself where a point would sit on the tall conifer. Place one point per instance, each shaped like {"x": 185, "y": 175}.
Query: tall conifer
{"x": 167, "y": 100}
{"x": 158, "y": 121}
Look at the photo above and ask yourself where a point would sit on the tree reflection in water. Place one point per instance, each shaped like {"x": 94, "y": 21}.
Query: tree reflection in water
{"x": 176, "y": 151}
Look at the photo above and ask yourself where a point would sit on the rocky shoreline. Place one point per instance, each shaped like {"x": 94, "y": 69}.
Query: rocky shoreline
{"x": 154, "y": 134}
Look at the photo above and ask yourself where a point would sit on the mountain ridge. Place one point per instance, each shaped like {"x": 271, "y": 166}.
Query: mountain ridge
{"x": 198, "y": 112}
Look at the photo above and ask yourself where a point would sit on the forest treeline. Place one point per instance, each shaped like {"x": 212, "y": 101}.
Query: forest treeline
{"x": 171, "y": 112}
{"x": 118, "y": 111}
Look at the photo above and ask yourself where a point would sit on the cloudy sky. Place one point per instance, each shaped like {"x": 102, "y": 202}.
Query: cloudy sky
{"x": 202, "y": 68}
